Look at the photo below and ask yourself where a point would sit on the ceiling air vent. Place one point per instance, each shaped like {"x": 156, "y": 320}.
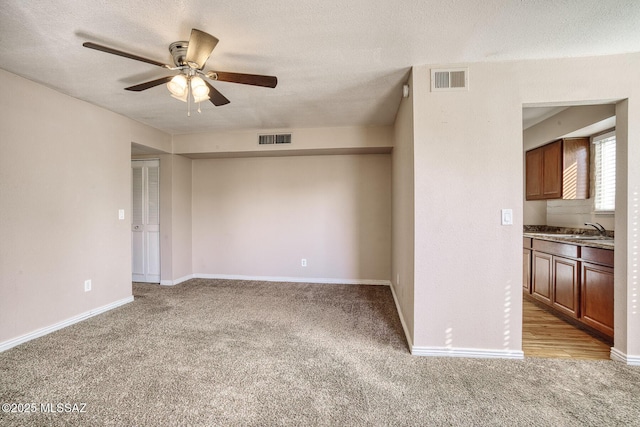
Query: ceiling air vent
{"x": 449, "y": 79}
{"x": 278, "y": 138}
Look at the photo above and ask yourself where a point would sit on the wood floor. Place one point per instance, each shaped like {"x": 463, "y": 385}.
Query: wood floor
{"x": 545, "y": 335}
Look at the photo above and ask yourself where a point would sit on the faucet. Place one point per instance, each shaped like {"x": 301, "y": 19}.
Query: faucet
{"x": 598, "y": 227}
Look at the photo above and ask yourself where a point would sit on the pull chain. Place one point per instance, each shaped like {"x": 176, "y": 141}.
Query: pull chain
{"x": 189, "y": 97}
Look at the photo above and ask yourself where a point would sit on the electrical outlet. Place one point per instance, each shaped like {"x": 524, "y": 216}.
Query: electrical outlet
{"x": 303, "y": 262}
{"x": 87, "y": 285}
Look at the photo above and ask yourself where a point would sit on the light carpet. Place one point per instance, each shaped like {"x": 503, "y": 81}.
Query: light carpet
{"x": 242, "y": 353}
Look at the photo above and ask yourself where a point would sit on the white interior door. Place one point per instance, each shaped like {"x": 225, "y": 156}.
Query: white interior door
{"x": 145, "y": 221}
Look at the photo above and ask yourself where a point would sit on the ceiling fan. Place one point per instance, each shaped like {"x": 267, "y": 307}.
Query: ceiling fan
{"x": 189, "y": 58}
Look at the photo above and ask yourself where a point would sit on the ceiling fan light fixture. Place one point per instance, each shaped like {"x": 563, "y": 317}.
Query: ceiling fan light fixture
{"x": 201, "y": 98}
{"x": 198, "y": 88}
{"x": 178, "y": 86}
{"x": 190, "y": 58}
{"x": 182, "y": 98}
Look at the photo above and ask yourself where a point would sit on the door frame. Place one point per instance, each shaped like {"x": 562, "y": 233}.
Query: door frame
{"x": 155, "y": 162}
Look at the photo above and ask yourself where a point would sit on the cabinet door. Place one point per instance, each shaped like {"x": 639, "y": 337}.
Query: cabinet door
{"x": 597, "y": 297}
{"x": 534, "y": 174}
{"x": 566, "y": 290}
{"x": 541, "y": 279}
{"x": 552, "y": 170}
{"x": 526, "y": 270}
{"x": 575, "y": 175}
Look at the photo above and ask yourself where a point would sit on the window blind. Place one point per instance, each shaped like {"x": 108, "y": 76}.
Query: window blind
{"x": 605, "y": 171}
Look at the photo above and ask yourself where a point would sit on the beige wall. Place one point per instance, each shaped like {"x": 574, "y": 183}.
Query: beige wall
{"x": 468, "y": 165}
{"x": 402, "y": 265}
{"x": 258, "y": 217}
{"x": 166, "y": 216}
{"x": 246, "y": 141}
{"x": 627, "y": 284}
{"x": 64, "y": 174}
{"x": 181, "y": 219}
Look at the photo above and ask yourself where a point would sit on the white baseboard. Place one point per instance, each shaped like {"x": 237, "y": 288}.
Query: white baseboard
{"x": 294, "y": 279}
{"x": 619, "y": 356}
{"x": 401, "y": 315}
{"x": 633, "y": 360}
{"x": 466, "y": 352}
{"x": 6, "y": 345}
{"x": 176, "y": 281}
{"x": 452, "y": 352}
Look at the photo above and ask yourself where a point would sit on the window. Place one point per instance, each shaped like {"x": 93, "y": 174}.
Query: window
{"x": 605, "y": 172}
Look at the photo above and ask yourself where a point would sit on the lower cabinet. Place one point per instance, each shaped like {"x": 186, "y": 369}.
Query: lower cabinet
{"x": 526, "y": 269}
{"x": 555, "y": 281}
{"x": 597, "y": 297}
{"x": 542, "y": 276}
{"x": 575, "y": 281}
{"x": 566, "y": 286}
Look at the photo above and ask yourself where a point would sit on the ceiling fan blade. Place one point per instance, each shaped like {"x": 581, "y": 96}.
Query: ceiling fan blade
{"x": 201, "y": 45}
{"x": 149, "y": 85}
{"x": 245, "y": 79}
{"x": 216, "y": 97}
{"x": 112, "y": 51}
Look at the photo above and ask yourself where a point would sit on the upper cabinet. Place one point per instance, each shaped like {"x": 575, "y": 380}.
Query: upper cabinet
{"x": 558, "y": 170}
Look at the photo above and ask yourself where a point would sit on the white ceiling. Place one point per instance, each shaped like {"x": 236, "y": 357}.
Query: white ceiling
{"x": 338, "y": 62}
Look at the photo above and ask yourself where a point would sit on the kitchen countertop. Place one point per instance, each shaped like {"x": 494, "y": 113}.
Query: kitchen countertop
{"x": 580, "y": 237}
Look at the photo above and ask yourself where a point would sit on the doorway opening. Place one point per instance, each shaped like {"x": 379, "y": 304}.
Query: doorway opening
{"x": 568, "y": 283}
{"x": 145, "y": 220}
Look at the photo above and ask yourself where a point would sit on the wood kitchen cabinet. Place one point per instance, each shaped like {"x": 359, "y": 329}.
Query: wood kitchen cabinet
{"x": 558, "y": 170}
{"x": 597, "y": 290}
{"x": 526, "y": 264}
{"x": 575, "y": 281}
{"x": 542, "y": 276}
{"x": 566, "y": 286}
{"x": 556, "y": 276}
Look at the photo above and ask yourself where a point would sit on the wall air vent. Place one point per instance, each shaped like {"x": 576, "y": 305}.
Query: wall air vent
{"x": 449, "y": 79}
{"x": 278, "y": 138}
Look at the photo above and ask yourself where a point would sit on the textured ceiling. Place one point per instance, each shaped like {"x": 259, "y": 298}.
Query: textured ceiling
{"x": 338, "y": 62}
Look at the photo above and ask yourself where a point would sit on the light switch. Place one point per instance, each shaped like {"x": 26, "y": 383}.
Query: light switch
{"x": 121, "y": 214}
{"x": 507, "y": 216}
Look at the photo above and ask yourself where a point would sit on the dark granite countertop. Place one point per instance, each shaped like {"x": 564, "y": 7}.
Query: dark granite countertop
{"x": 576, "y": 236}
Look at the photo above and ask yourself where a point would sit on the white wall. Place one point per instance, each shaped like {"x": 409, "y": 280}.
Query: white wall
{"x": 258, "y": 217}
{"x": 468, "y": 165}
{"x": 64, "y": 173}
{"x": 575, "y": 213}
